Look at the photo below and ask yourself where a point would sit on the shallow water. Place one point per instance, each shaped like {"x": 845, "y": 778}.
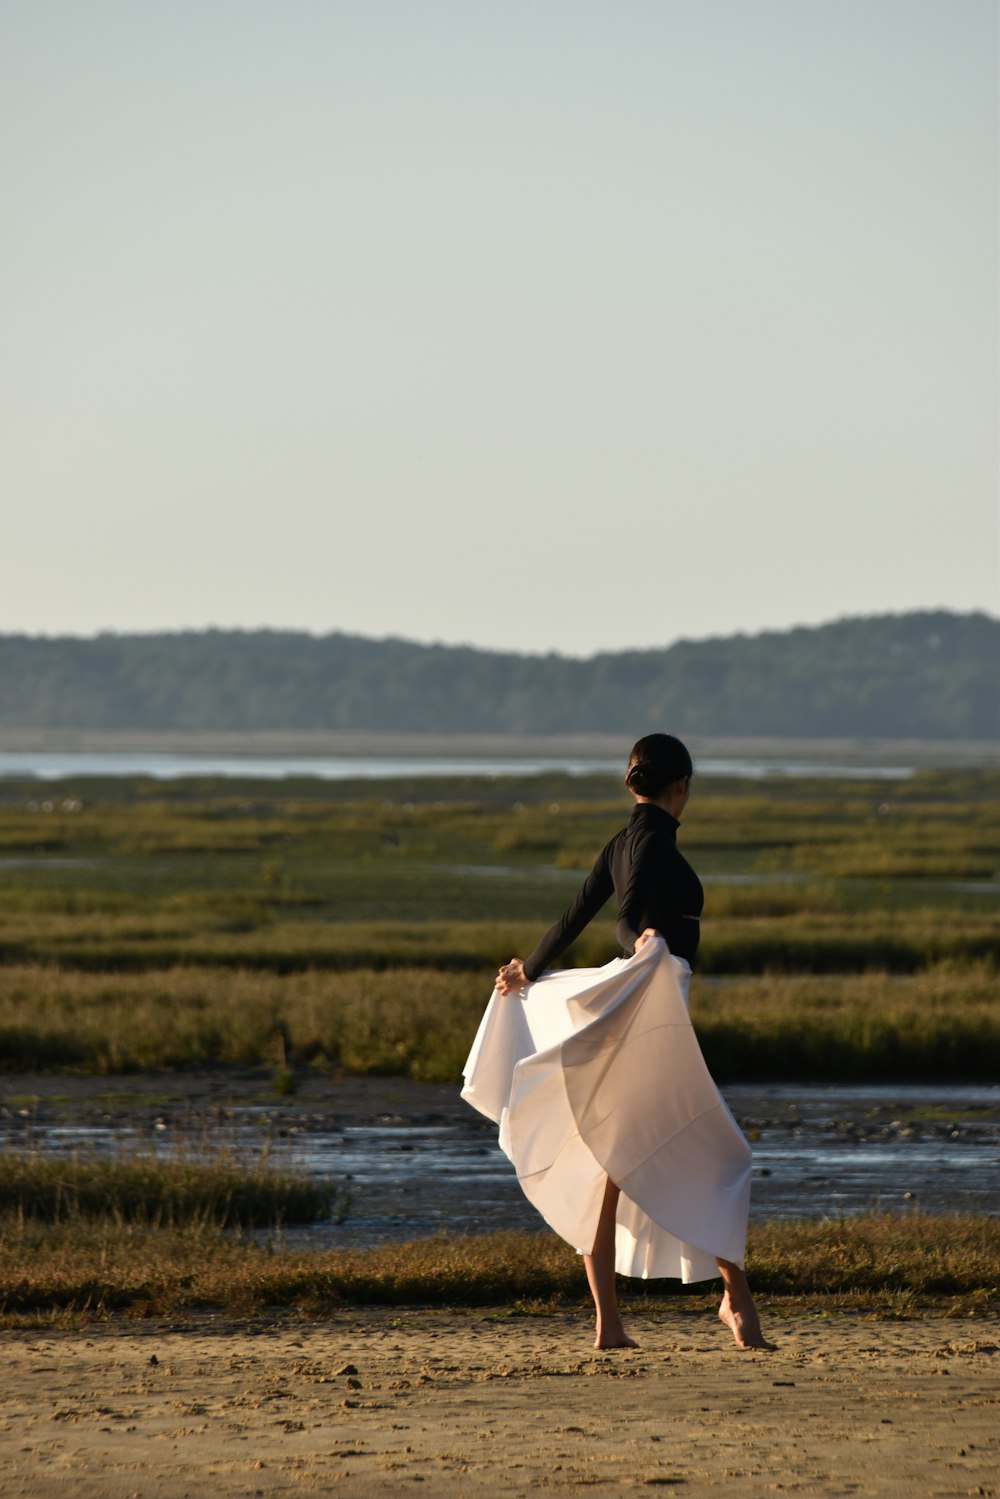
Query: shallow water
{"x": 49, "y": 765}
{"x": 414, "y": 1159}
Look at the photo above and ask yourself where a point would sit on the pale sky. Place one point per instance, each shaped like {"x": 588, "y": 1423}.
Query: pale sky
{"x": 534, "y": 324}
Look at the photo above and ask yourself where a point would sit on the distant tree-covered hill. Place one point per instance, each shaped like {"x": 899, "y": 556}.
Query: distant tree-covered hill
{"x": 920, "y": 675}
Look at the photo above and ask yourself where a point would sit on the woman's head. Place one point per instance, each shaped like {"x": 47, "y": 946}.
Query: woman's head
{"x": 656, "y": 763}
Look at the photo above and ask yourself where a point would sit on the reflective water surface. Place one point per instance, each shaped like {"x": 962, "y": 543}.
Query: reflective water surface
{"x": 413, "y": 1159}
{"x": 48, "y": 765}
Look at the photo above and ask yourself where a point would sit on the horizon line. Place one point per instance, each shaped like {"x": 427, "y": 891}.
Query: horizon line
{"x": 321, "y": 635}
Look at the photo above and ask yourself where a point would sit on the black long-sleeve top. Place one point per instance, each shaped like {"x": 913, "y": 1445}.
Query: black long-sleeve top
{"x": 653, "y": 882}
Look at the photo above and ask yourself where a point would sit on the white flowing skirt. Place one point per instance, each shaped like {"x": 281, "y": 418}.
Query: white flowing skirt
{"x": 594, "y": 1073}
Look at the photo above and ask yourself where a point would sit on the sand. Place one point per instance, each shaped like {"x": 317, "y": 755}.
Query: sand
{"x": 447, "y": 1402}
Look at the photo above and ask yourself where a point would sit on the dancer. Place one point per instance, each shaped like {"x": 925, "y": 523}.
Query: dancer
{"x": 617, "y": 1130}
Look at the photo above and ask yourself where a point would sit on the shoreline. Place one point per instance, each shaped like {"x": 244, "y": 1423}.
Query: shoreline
{"x": 930, "y": 753}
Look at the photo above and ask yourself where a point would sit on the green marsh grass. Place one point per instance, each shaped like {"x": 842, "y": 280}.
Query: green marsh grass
{"x": 150, "y": 924}
{"x": 892, "y": 1266}
{"x": 344, "y": 844}
{"x": 941, "y": 1022}
{"x": 141, "y": 1188}
{"x": 239, "y": 934}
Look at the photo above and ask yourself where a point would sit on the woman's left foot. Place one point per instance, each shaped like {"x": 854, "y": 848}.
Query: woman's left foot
{"x": 617, "y": 1338}
{"x": 744, "y": 1324}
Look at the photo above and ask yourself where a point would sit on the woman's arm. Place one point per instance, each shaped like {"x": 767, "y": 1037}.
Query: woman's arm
{"x": 596, "y": 889}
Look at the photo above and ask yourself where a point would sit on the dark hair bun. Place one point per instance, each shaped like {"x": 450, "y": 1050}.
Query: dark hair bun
{"x": 656, "y": 762}
{"x": 643, "y": 779}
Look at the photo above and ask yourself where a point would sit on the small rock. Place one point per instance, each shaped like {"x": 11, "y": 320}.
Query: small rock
{"x": 345, "y": 1369}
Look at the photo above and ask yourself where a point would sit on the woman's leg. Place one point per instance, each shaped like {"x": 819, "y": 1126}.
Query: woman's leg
{"x": 738, "y": 1311}
{"x": 600, "y": 1265}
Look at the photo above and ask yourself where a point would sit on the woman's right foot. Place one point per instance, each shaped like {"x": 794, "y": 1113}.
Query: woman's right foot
{"x": 615, "y": 1337}
{"x": 744, "y": 1324}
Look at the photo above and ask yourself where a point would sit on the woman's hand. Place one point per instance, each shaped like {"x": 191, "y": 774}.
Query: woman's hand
{"x": 644, "y": 937}
{"x": 511, "y": 976}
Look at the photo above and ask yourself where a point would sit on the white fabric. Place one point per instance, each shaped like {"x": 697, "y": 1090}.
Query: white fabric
{"x": 596, "y": 1072}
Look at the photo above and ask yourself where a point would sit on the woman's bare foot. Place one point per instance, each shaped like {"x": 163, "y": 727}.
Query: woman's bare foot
{"x": 615, "y": 1337}
{"x": 744, "y": 1324}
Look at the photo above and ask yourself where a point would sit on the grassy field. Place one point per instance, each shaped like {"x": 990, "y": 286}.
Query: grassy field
{"x": 70, "y": 1273}
{"x": 940, "y": 1023}
{"x": 852, "y": 927}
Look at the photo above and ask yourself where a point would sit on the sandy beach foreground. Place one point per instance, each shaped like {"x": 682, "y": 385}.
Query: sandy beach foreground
{"x": 374, "y": 1402}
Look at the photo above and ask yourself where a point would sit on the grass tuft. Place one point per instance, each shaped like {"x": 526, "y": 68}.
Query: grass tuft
{"x": 143, "y": 1189}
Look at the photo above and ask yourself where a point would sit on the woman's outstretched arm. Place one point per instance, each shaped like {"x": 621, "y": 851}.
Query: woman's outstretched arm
{"x": 595, "y": 892}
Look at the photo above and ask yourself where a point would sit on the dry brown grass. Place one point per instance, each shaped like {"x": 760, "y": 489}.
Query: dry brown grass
{"x": 895, "y": 1266}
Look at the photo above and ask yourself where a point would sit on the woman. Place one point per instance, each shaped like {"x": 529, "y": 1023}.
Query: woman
{"x": 659, "y": 896}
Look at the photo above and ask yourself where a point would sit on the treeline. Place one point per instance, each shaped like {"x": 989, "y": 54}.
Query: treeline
{"x": 919, "y": 675}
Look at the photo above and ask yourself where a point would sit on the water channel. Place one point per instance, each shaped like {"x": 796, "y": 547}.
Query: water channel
{"x": 412, "y": 1159}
